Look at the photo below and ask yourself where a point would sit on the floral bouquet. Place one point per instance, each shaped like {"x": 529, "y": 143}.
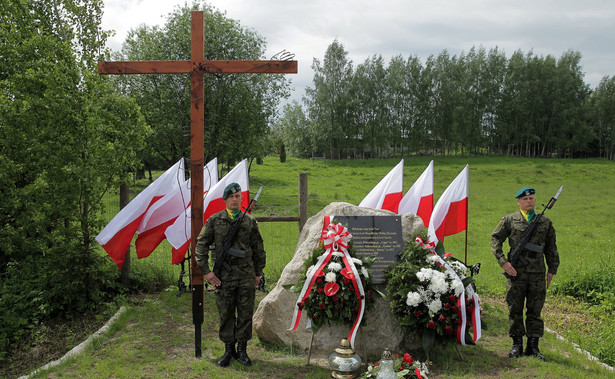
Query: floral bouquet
{"x": 425, "y": 292}
{"x": 334, "y": 296}
{"x": 403, "y": 366}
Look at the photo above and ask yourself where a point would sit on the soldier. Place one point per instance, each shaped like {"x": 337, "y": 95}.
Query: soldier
{"x": 235, "y": 289}
{"x": 526, "y": 283}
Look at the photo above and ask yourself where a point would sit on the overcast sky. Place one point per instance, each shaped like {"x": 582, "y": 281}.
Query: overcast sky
{"x": 403, "y": 27}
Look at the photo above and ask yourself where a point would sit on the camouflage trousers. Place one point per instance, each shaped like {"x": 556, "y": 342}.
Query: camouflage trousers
{"x": 529, "y": 290}
{"x": 235, "y": 302}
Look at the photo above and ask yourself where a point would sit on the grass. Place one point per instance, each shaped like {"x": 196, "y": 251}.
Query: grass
{"x": 582, "y": 218}
{"x": 154, "y": 338}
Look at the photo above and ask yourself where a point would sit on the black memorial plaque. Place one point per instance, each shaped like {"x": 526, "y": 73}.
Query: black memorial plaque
{"x": 375, "y": 236}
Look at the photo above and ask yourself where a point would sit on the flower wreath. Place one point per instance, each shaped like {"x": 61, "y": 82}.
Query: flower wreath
{"x": 427, "y": 293}
{"x": 335, "y": 285}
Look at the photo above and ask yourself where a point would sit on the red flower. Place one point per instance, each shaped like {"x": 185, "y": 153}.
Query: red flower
{"x": 370, "y": 292}
{"x": 300, "y": 304}
{"x": 315, "y": 316}
{"x": 442, "y": 319}
{"x": 320, "y": 273}
{"x": 418, "y": 373}
{"x": 447, "y": 306}
{"x": 376, "y": 364}
{"x": 335, "y": 298}
{"x": 371, "y": 299}
{"x": 446, "y": 255}
{"x": 346, "y": 280}
{"x": 331, "y": 288}
{"x": 319, "y": 280}
{"x": 319, "y": 290}
{"x": 417, "y": 314}
{"x": 431, "y": 325}
{"x": 347, "y": 273}
{"x": 321, "y": 306}
{"x": 408, "y": 359}
{"x": 449, "y": 330}
{"x": 452, "y": 299}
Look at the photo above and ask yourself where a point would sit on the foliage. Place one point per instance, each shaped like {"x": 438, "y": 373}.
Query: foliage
{"x": 424, "y": 295}
{"x": 238, "y": 107}
{"x": 333, "y": 298}
{"x": 478, "y": 102}
{"x": 404, "y": 366}
{"x": 65, "y": 137}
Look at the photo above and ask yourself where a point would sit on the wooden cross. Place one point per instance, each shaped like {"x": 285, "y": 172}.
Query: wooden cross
{"x": 196, "y": 67}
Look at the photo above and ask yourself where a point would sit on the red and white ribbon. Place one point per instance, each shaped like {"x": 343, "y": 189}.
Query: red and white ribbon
{"x": 335, "y": 238}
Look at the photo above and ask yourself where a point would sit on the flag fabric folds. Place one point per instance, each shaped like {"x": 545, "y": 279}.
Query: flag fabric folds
{"x": 165, "y": 211}
{"x": 179, "y": 233}
{"x": 450, "y": 215}
{"x": 419, "y": 198}
{"x": 116, "y": 237}
{"x": 388, "y": 193}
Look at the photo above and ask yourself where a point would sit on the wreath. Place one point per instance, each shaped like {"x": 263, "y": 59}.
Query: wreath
{"x": 427, "y": 291}
{"x": 335, "y": 284}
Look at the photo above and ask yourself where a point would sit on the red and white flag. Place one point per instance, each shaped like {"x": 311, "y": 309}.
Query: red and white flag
{"x": 450, "y": 215}
{"x": 165, "y": 211}
{"x": 179, "y": 234}
{"x": 388, "y": 193}
{"x": 419, "y": 198}
{"x": 116, "y": 237}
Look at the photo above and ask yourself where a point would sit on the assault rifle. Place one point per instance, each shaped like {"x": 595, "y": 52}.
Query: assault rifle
{"x": 515, "y": 257}
{"x": 222, "y": 257}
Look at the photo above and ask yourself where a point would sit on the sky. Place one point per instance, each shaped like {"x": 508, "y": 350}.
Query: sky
{"x": 402, "y": 27}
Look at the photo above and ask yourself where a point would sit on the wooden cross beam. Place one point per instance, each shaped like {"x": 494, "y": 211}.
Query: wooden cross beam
{"x": 196, "y": 67}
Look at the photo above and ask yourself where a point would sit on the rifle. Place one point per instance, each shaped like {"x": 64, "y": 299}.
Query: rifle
{"x": 222, "y": 257}
{"x": 515, "y": 257}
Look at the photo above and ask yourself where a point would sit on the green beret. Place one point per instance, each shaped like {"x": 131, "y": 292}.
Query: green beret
{"x": 231, "y": 188}
{"x": 525, "y": 191}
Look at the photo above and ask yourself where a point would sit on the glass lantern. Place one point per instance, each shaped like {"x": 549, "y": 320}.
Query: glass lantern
{"x": 386, "y": 366}
{"x": 344, "y": 361}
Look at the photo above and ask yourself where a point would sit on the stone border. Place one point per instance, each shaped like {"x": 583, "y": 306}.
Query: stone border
{"x": 578, "y": 349}
{"x": 79, "y": 348}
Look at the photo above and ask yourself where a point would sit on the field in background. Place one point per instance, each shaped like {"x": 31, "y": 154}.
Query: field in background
{"x": 582, "y": 218}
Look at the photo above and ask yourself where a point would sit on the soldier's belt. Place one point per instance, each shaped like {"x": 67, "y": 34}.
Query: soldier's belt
{"x": 236, "y": 253}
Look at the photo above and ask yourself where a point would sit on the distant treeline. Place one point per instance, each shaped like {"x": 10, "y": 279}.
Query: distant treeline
{"x": 476, "y": 103}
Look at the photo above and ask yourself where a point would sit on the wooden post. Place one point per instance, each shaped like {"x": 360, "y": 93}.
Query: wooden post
{"x": 196, "y": 67}
{"x": 303, "y": 200}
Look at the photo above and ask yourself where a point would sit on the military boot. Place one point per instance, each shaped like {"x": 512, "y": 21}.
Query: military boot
{"x": 532, "y": 348}
{"x": 229, "y": 353}
{"x": 242, "y": 355}
{"x": 517, "y": 347}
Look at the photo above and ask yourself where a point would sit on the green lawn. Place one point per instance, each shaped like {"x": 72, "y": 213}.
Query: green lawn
{"x": 581, "y": 218}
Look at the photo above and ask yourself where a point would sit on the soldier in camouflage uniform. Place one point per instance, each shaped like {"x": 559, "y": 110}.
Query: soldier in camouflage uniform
{"x": 527, "y": 283}
{"x": 235, "y": 289}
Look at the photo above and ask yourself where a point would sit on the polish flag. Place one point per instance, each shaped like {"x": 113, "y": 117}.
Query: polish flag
{"x": 419, "y": 198}
{"x": 179, "y": 234}
{"x": 115, "y": 238}
{"x": 388, "y": 193}
{"x": 165, "y": 211}
{"x": 450, "y": 215}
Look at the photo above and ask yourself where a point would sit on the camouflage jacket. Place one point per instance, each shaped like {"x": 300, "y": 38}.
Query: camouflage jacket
{"x": 248, "y": 239}
{"x": 512, "y": 226}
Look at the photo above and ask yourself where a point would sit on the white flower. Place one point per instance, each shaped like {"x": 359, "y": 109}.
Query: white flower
{"x": 364, "y": 272}
{"x": 438, "y": 284}
{"x": 424, "y": 274}
{"x": 357, "y": 261}
{"x": 431, "y": 258}
{"x": 458, "y": 288}
{"x": 330, "y": 277}
{"x": 333, "y": 266}
{"x": 435, "y": 306}
{"x": 337, "y": 254}
{"x": 413, "y": 299}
